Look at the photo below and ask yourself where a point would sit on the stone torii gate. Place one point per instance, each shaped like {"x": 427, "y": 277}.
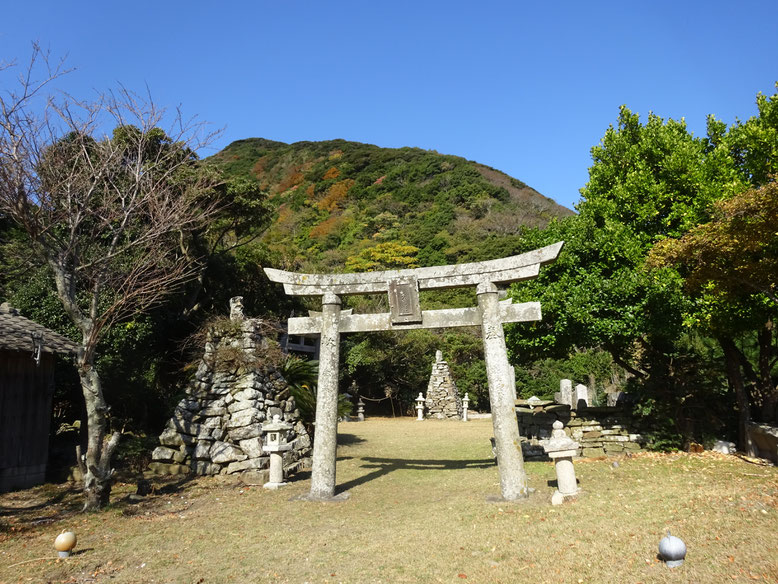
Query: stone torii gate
{"x": 405, "y": 313}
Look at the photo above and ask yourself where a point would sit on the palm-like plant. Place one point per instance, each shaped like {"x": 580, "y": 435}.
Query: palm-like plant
{"x": 302, "y": 375}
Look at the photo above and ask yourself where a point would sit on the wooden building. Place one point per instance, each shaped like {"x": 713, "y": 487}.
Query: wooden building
{"x": 27, "y": 352}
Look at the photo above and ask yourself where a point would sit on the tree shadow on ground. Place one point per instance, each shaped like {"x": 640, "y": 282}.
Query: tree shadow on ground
{"x": 38, "y": 506}
{"x": 349, "y": 439}
{"x": 384, "y": 466}
{"x": 50, "y": 501}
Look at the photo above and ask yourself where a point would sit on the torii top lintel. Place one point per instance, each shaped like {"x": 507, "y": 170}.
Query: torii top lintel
{"x": 510, "y": 269}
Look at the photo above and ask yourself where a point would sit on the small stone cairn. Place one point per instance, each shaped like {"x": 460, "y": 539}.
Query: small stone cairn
{"x": 443, "y": 401}
{"x": 217, "y": 427}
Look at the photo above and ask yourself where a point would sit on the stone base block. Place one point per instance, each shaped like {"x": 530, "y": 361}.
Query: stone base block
{"x": 163, "y": 468}
{"x": 558, "y": 498}
{"x": 254, "y": 477}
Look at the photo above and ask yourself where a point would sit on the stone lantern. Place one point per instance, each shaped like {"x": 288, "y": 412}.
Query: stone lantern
{"x": 562, "y": 449}
{"x": 361, "y": 410}
{"x": 420, "y": 408}
{"x": 275, "y": 443}
{"x": 465, "y": 403}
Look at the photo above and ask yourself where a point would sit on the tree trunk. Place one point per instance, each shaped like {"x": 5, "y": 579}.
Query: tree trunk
{"x": 766, "y": 387}
{"x": 96, "y": 463}
{"x": 732, "y": 358}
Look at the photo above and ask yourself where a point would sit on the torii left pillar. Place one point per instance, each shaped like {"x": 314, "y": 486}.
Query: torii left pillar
{"x": 325, "y": 438}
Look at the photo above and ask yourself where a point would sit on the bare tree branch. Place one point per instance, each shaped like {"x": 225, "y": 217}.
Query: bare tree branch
{"x": 107, "y": 213}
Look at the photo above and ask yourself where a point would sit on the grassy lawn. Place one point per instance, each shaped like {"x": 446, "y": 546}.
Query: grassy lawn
{"x": 419, "y": 512}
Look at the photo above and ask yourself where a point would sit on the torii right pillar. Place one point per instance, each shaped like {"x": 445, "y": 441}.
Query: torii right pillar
{"x": 510, "y": 461}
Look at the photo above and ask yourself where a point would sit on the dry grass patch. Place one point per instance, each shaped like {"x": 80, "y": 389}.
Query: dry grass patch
{"x": 418, "y": 512}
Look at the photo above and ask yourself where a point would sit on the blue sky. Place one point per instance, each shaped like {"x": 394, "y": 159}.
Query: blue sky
{"x": 525, "y": 87}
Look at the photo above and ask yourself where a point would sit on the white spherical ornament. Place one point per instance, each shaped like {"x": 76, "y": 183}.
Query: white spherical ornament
{"x": 672, "y": 550}
{"x": 65, "y": 542}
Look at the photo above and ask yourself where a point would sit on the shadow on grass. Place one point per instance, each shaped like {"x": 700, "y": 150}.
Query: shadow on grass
{"x": 41, "y": 509}
{"x": 53, "y": 500}
{"x": 384, "y": 466}
{"x": 554, "y": 484}
{"x": 349, "y": 439}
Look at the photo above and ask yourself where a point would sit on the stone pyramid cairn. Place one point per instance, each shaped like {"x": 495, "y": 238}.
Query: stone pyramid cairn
{"x": 442, "y": 401}
{"x": 217, "y": 427}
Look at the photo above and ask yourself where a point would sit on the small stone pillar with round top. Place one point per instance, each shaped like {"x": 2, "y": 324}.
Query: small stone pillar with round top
{"x": 561, "y": 448}
{"x": 276, "y": 445}
{"x": 465, "y": 404}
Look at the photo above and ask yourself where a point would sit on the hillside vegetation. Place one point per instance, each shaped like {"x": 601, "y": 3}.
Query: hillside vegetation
{"x": 344, "y": 205}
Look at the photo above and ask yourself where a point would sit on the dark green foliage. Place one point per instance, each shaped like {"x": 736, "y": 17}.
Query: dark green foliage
{"x": 648, "y": 182}
{"x": 130, "y": 357}
{"x": 302, "y": 375}
{"x": 134, "y": 453}
{"x": 593, "y": 368}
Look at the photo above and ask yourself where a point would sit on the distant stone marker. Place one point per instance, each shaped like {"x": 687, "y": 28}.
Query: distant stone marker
{"x": 402, "y": 287}
{"x": 443, "y": 401}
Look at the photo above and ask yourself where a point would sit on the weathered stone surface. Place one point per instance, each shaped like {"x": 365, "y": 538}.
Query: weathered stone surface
{"x": 203, "y": 467}
{"x": 248, "y": 394}
{"x": 209, "y": 424}
{"x": 203, "y": 450}
{"x": 183, "y": 426}
{"x": 245, "y": 432}
{"x": 724, "y": 447}
{"x": 302, "y": 442}
{"x": 213, "y": 411}
{"x": 170, "y": 437}
{"x": 224, "y": 452}
{"x": 565, "y": 395}
{"x": 163, "y": 453}
{"x": 168, "y": 469}
{"x": 241, "y": 405}
{"x": 252, "y": 447}
{"x": 189, "y": 404}
{"x": 764, "y": 440}
{"x": 593, "y": 452}
{"x": 243, "y": 418}
{"x": 182, "y": 414}
{"x": 581, "y": 397}
{"x": 211, "y": 415}
{"x": 182, "y": 454}
{"x": 254, "y": 477}
{"x": 251, "y": 463}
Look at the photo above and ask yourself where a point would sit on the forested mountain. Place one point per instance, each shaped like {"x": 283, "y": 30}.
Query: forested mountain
{"x": 341, "y": 205}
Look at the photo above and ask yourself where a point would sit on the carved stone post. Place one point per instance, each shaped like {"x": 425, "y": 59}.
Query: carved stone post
{"x": 513, "y": 479}
{"x": 326, "y": 433}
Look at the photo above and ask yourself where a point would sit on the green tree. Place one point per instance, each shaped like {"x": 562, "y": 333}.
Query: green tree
{"x": 647, "y": 182}
{"x": 729, "y": 265}
{"x": 389, "y": 255}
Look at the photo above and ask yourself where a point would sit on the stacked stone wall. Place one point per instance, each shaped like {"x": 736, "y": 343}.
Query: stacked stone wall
{"x": 217, "y": 427}
{"x": 442, "y": 400}
{"x": 599, "y": 431}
